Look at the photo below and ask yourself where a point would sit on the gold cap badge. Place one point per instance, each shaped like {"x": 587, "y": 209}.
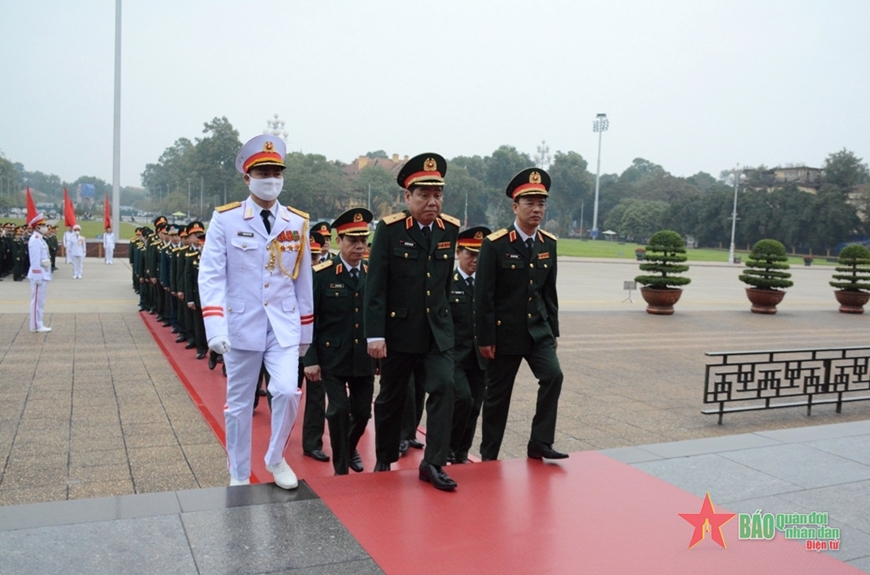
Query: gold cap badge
{"x": 430, "y": 165}
{"x": 534, "y": 178}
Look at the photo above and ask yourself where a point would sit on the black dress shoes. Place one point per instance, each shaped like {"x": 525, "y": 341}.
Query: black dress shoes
{"x": 180, "y": 339}
{"x": 451, "y": 457}
{"x": 167, "y": 323}
{"x": 212, "y": 361}
{"x": 356, "y": 462}
{"x": 175, "y": 330}
{"x": 436, "y": 476}
{"x": 380, "y": 466}
{"x": 403, "y": 447}
{"x": 190, "y": 345}
{"x": 317, "y": 455}
{"x": 538, "y": 450}
{"x": 415, "y": 444}
{"x": 200, "y": 354}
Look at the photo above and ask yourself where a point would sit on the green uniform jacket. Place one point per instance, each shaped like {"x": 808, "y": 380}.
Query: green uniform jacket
{"x": 339, "y": 346}
{"x": 465, "y": 354}
{"x": 408, "y": 284}
{"x": 515, "y": 301}
{"x": 191, "y": 275}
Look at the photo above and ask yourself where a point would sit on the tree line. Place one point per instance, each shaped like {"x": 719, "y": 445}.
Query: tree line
{"x": 636, "y": 203}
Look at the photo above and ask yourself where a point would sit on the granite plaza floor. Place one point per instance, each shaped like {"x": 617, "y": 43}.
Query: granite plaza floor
{"x": 92, "y": 410}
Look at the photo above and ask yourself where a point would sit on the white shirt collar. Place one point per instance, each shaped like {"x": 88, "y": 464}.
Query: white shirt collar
{"x": 347, "y": 265}
{"x": 522, "y": 234}
{"x": 463, "y": 274}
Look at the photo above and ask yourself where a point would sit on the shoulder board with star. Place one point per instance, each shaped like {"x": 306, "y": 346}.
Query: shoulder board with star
{"x": 298, "y": 212}
{"x": 322, "y": 266}
{"x": 549, "y": 235}
{"x": 228, "y": 207}
{"x": 393, "y": 218}
{"x": 496, "y": 235}
{"x": 191, "y": 254}
{"x": 451, "y": 219}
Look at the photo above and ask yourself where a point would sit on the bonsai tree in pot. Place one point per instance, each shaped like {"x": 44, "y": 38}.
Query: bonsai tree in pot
{"x": 765, "y": 273}
{"x": 664, "y": 257}
{"x": 853, "y": 278}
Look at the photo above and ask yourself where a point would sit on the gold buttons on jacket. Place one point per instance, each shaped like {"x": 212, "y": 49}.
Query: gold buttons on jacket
{"x": 530, "y": 316}
{"x": 229, "y": 309}
{"x": 327, "y": 344}
{"x": 406, "y": 255}
{"x": 531, "y": 265}
{"x": 498, "y": 322}
{"x": 513, "y": 267}
{"x": 427, "y": 310}
{"x": 265, "y": 303}
{"x": 428, "y": 292}
{"x": 356, "y": 310}
{"x": 265, "y": 286}
{"x": 428, "y": 275}
{"x": 392, "y": 314}
{"x": 356, "y": 341}
{"x": 356, "y": 325}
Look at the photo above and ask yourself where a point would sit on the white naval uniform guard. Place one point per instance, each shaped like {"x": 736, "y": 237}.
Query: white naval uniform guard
{"x": 39, "y": 272}
{"x": 256, "y": 293}
{"x": 77, "y": 249}
{"x": 109, "y": 245}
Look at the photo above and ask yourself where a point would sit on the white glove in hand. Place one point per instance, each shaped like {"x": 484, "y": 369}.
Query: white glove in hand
{"x": 303, "y": 349}
{"x": 45, "y": 264}
{"x": 219, "y": 344}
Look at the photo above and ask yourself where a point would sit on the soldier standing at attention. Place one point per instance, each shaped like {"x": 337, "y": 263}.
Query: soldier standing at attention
{"x": 39, "y": 273}
{"x": 516, "y": 313}
{"x": 314, "y": 414}
{"x": 109, "y": 244}
{"x": 339, "y": 357}
{"x": 468, "y": 376}
{"x": 51, "y": 240}
{"x": 255, "y": 287}
{"x": 407, "y": 317}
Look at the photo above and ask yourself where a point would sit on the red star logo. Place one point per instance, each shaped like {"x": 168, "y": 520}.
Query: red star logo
{"x": 707, "y": 520}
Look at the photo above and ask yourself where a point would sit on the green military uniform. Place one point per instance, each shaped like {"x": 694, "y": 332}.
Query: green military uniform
{"x": 339, "y": 348}
{"x": 516, "y": 310}
{"x": 51, "y": 240}
{"x": 468, "y": 374}
{"x": 407, "y": 304}
{"x": 20, "y": 256}
{"x": 191, "y": 293}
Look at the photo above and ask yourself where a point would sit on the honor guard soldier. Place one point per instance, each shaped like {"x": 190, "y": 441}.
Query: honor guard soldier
{"x": 314, "y": 414}
{"x": 323, "y": 229}
{"x": 77, "y": 251}
{"x": 195, "y": 234}
{"x": 39, "y": 273}
{"x": 516, "y": 313}
{"x": 468, "y": 376}
{"x": 339, "y": 358}
{"x": 407, "y": 315}
{"x": 51, "y": 240}
{"x": 109, "y": 245}
{"x": 255, "y": 287}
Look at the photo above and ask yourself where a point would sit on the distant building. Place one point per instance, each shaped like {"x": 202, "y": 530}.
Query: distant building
{"x": 392, "y": 165}
{"x": 805, "y": 178}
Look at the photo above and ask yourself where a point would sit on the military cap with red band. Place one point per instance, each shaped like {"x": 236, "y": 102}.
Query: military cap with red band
{"x": 529, "y": 182}
{"x": 195, "y": 228}
{"x": 262, "y": 150}
{"x": 315, "y": 239}
{"x": 353, "y": 222}
{"x": 472, "y": 238}
{"x": 423, "y": 170}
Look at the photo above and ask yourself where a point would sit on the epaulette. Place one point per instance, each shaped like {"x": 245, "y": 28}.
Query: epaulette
{"x": 451, "y": 219}
{"x": 323, "y": 265}
{"x": 227, "y": 207}
{"x": 549, "y": 235}
{"x": 393, "y": 218}
{"x": 298, "y": 212}
{"x": 178, "y": 249}
{"x": 191, "y": 254}
{"x": 496, "y": 235}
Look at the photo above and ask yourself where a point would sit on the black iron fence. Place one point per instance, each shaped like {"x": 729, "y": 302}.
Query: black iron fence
{"x": 771, "y": 379}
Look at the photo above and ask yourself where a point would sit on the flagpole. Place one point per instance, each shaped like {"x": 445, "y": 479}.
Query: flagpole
{"x": 116, "y": 152}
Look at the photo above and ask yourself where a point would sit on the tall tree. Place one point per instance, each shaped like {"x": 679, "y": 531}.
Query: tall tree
{"x": 845, "y": 170}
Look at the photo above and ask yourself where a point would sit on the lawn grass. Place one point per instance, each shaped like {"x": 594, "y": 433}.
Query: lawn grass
{"x": 89, "y": 229}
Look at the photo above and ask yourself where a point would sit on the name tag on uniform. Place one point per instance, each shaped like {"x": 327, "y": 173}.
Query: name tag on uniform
{"x": 407, "y": 244}
{"x": 460, "y": 292}
{"x": 444, "y": 245}
{"x": 544, "y": 256}
{"x": 336, "y": 286}
{"x": 512, "y": 256}
{"x": 246, "y": 234}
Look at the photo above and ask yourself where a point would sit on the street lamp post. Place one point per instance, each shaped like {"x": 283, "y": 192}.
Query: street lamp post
{"x": 599, "y": 125}
{"x": 733, "y": 216}
{"x": 276, "y": 127}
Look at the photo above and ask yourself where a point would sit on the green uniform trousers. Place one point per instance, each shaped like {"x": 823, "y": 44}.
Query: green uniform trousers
{"x": 350, "y": 408}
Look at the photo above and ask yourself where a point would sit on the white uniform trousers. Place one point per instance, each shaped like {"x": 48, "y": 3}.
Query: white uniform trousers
{"x": 243, "y": 372}
{"x": 109, "y": 255}
{"x": 77, "y": 266}
{"x": 37, "y": 302}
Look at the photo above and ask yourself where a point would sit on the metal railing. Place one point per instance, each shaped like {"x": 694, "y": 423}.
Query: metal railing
{"x": 772, "y": 379}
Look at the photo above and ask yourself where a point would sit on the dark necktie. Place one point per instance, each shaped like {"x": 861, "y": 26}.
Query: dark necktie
{"x": 427, "y": 233}
{"x": 530, "y": 243}
{"x": 265, "y": 215}
{"x": 354, "y": 273}
{"x": 470, "y": 281}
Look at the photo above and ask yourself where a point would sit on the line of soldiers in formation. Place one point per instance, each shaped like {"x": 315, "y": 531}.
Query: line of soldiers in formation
{"x": 14, "y": 259}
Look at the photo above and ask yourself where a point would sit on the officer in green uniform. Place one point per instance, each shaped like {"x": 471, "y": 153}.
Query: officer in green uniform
{"x": 468, "y": 376}
{"x": 315, "y": 396}
{"x": 324, "y": 230}
{"x": 51, "y": 240}
{"x": 516, "y": 313}
{"x": 407, "y": 315}
{"x": 339, "y": 356}
{"x": 19, "y": 255}
{"x": 195, "y": 233}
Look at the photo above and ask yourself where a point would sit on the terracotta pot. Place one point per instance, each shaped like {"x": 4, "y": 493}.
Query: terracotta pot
{"x": 764, "y": 300}
{"x": 660, "y": 301}
{"x": 851, "y": 301}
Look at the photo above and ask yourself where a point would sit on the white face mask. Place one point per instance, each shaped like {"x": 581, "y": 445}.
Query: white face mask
{"x": 267, "y": 189}
{"x": 78, "y": 234}
{"x": 43, "y": 229}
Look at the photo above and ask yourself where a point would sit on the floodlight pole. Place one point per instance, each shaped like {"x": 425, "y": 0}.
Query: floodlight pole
{"x": 116, "y": 146}
{"x": 599, "y": 125}
{"x": 733, "y": 216}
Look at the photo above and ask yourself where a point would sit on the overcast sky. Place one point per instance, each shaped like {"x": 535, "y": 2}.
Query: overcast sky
{"x": 691, "y": 85}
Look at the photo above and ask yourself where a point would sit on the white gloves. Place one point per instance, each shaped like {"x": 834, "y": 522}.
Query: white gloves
{"x": 219, "y": 344}
{"x": 303, "y": 349}
{"x": 46, "y": 264}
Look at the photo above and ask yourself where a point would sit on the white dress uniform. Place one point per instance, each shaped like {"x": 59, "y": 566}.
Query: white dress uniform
{"x": 67, "y": 244}
{"x": 109, "y": 246}
{"x": 39, "y": 276}
{"x": 256, "y": 290}
{"x": 77, "y": 248}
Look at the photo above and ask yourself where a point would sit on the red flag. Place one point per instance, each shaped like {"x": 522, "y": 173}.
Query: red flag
{"x": 31, "y": 207}
{"x": 107, "y": 214}
{"x": 69, "y": 213}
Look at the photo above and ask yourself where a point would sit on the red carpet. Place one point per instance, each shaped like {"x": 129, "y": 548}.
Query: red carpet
{"x": 587, "y": 514}
{"x": 208, "y": 389}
